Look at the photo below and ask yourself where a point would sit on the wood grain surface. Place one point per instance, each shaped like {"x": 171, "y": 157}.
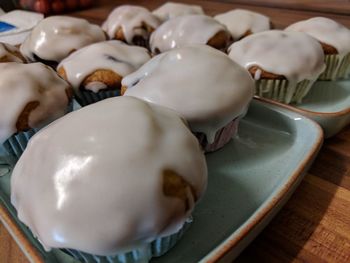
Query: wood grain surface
{"x": 314, "y": 226}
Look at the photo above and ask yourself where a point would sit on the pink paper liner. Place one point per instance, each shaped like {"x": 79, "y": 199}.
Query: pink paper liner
{"x": 222, "y": 137}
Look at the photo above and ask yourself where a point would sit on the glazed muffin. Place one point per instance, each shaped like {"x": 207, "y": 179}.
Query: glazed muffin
{"x": 335, "y": 41}
{"x": 241, "y": 23}
{"x": 212, "y": 101}
{"x": 171, "y": 10}
{"x": 29, "y": 102}
{"x": 9, "y": 53}
{"x": 131, "y": 24}
{"x": 95, "y": 72}
{"x": 121, "y": 178}
{"x": 186, "y": 30}
{"x": 284, "y": 64}
{"x": 55, "y": 37}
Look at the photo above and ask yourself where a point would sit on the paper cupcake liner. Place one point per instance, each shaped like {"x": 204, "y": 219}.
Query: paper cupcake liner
{"x": 222, "y": 137}
{"x": 17, "y": 143}
{"x": 86, "y": 97}
{"x": 336, "y": 67}
{"x": 282, "y": 90}
{"x": 156, "y": 248}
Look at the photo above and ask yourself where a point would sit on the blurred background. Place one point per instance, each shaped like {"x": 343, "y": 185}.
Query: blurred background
{"x": 46, "y": 6}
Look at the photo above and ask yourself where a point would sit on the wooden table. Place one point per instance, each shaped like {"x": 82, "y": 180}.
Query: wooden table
{"x": 314, "y": 226}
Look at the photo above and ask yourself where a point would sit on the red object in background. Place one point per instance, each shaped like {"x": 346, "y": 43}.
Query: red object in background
{"x": 53, "y": 6}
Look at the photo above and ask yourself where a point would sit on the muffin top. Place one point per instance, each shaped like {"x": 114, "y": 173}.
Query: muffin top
{"x": 170, "y": 10}
{"x": 108, "y": 177}
{"x": 326, "y": 31}
{"x": 241, "y": 23}
{"x": 293, "y": 55}
{"x": 184, "y": 30}
{"x": 207, "y": 95}
{"x": 9, "y": 53}
{"x": 55, "y": 37}
{"x": 110, "y": 55}
{"x": 27, "y": 101}
{"x": 131, "y": 19}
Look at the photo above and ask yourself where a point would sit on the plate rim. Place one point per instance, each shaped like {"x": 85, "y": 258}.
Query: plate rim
{"x": 266, "y": 210}
{"x": 33, "y": 255}
{"x": 301, "y": 111}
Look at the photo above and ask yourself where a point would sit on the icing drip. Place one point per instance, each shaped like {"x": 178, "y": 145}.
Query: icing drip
{"x": 110, "y": 55}
{"x": 16, "y": 92}
{"x": 184, "y": 30}
{"x": 94, "y": 180}
{"x": 294, "y": 55}
{"x": 131, "y": 19}
{"x": 171, "y": 10}
{"x": 326, "y": 31}
{"x": 208, "y": 95}
{"x": 96, "y": 86}
{"x": 54, "y": 38}
{"x": 7, "y": 52}
{"x": 240, "y": 21}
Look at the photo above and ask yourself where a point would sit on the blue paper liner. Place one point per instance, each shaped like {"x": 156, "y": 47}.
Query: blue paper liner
{"x": 87, "y": 97}
{"x": 17, "y": 143}
{"x": 157, "y": 248}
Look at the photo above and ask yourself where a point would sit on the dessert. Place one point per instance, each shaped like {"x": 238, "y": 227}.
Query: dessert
{"x": 9, "y": 53}
{"x": 131, "y": 24}
{"x": 95, "y": 71}
{"x": 28, "y": 102}
{"x": 191, "y": 29}
{"x": 110, "y": 178}
{"x": 241, "y": 23}
{"x": 55, "y": 37}
{"x": 212, "y": 101}
{"x": 335, "y": 41}
{"x": 171, "y": 10}
{"x": 284, "y": 64}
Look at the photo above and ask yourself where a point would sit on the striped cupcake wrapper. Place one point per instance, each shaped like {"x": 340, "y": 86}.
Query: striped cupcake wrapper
{"x": 281, "y": 90}
{"x": 156, "y": 248}
{"x": 17, "y": 143}
{"x": 336, "y": 68}
{"x": 86, "y": 97}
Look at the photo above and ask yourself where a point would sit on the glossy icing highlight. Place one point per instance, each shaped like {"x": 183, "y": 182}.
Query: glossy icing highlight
{"x": 130, "y": 19}
{"x": 240, "y": 22}
{"x": 94, "y": 180}
{"x": 55, "y": 37}
{"x": 48, "y": 90}
{"x": 110, "y": 55}
{"x": 207, "y": 95}
{"x": 184, "y": 30}
{"x": 171, "y": 10}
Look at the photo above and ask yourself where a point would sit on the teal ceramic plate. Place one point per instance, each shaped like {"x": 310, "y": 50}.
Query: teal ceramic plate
{"x": 328, "y": 103}
{"x": 249, "y": 181}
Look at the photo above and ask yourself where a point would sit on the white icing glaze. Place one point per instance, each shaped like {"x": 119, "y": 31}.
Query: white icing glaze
{"x": 110, "y": 55}
{"x": 239, "y": 21}
{"x": 171, "y": 10}
{"x": 184, "y": 30}
{"x": 19, "y": 85}
{"x": 294, "y": 55}
{"x": 208, "y": 95}
{"x": 327, "y": 31}
{"x": 93, "y": 180}
{"x": 130, "y": 18}
{"x": 7, "y": 51}
{"x": 55, "y": 37}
